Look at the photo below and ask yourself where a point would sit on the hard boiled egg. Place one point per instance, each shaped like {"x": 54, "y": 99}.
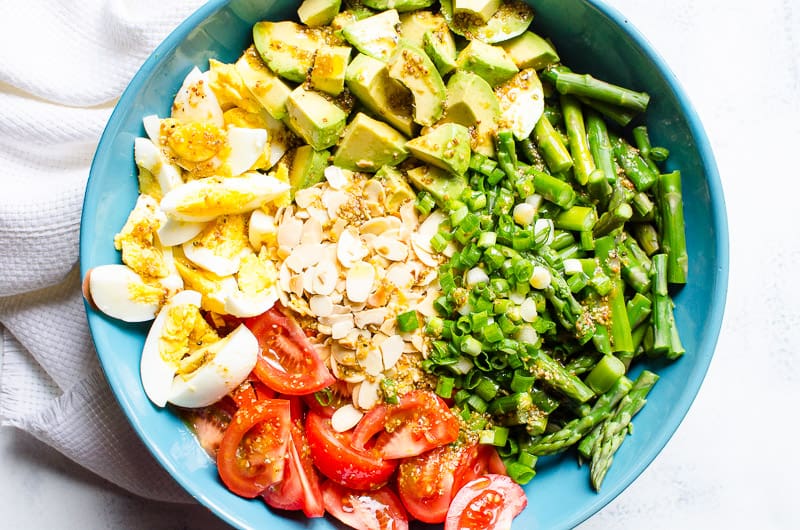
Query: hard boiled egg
{"x": 221, "y": 246}
{"x": 150, "y": 157}
{"x": 196, "y": 102}
{"x": 185, "y": 363}
{"x": 207, "y": 198}
{"x": 246, "y": 147}
{"x": 119, "y": 292}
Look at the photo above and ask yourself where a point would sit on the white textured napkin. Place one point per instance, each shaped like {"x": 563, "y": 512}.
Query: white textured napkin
{"x": 63, "y": 64}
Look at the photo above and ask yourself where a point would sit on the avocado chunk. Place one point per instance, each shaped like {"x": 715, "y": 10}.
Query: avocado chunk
{"x": 472, "y": 103}
{"x": 443, "y": 186}
{"x": 412, "y": 67}
{"x": 368, "y": 144}
{"x": 288, "y": 48}
{"x": 397, "y": 189}
{"x": 490, "y": 62}
{"x": 399, "y": 5}
{"x": 368, "y": 80}
{"x": 480, "y": 9}
{"x": 375, "y": 36}
{"x": 512, "y": 18}
{"x": 529, "y": 50}
{"x": 318, "y": 12}
{"x": 521, "y": 101}
{"x": 308, "y": 166}
{"x": 440, "y": 46}
{"x": 330, "y": 66}
{"x": 446, "y": 146}
{"x": 266, "y": 87}
{"x": 414, "y": 24}
{"x": 315, "y": 119}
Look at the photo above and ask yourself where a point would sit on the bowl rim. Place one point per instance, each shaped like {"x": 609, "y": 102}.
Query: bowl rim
{"x": 718, "y": 213}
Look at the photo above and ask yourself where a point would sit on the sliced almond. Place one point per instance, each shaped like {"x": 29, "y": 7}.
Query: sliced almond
{"x": 289, "y": 231}
{"x": 373, "y": 363}
{"x": 350, "y": 249}
{"x": 321, "y": 305}
{"x": 392, "y": 350}
{"x": 337, "y": 177}
{"x": 325, "y": 279}
{"x": 345, "y": 418}
{"x": 312, "y": 232}
{"x": 307, "y": 197}
{"x": 374, "y": 316}
{"x": 360, "y": 279}
{"x": 381, "y": 225}
{"x": 368, "y": 394}
{"x": 390, "y": 248}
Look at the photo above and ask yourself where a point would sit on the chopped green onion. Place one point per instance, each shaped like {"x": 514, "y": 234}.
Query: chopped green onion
{"x": 407, "y": 321}
{"x": 496, "y": 436}
{"x": 424, "y": 202}
{"x": 445, "y": 386}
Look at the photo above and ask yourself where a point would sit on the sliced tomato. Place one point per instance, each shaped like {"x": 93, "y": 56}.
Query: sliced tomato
{"x": 427, "y": 483}
{"x": 489, "y": 502}
{"x": 253, "y": 450}
{"x": 336, "y": 458}
{"x": 287, "y": 361}
{"x": 299, "y": 488}
{"x": 251, "y": 391}
{"x": 209, "y": 424}
{"x": 365, "y": 510}
{"x": 418, "y": 423}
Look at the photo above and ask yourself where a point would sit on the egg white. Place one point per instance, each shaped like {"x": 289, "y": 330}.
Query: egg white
{"x": 109, "y": 288}
{"x": 246, "y": 147}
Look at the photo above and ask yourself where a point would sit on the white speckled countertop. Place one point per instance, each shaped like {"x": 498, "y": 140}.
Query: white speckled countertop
{"x": 732, "y": 462}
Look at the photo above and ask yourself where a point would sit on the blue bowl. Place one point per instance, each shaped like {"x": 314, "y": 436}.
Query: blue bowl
{"x": 590, "y": 37}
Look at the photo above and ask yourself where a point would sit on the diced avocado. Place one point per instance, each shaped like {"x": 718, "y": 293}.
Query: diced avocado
{"x": 512, "y": 18}
{"x": 318, "y": 12}
{"x": 412, "y": 67}
{"x": 375, "y": 36}
{"x": 368, "y": 144}
{"x": 490, "y": 62}
{"x": 330, "y": 65}
{"x": 529, "y": 50}
{"x": 287, "y": 47}
{"x": 414, "y": 24}
{"x": 480, "y": 9}
{"x": 472, "y": 103}
{"x": 307, "y": 167}
{"x": 266, "y": 87}
{"x": 446, "y": 146}
{"x": 521, "y": 101}
{"x": 443, "y": 186}
{"x": 440, "y": 46}
{"x": 315, "y": 119}
{"x": 368, "y": 80}
{"x": 399, "y": 5}
{"x": 397, "y": 189}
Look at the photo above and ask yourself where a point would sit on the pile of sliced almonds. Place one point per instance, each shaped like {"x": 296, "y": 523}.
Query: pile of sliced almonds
{"x": 349, "y": 262}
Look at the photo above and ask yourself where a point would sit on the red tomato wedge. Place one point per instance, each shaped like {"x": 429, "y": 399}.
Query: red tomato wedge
{"x": 209, "y": 424}
{"x": 287, "y": 362}
{"x": 299, "y": 489}
{"x": 337, "y": 459}
{"x": 420, "y": 422}
{"x": 490, "y": 502}
{"x": 365, "y": 510}
{"x": 250, "y": 392}
{"x": 329, "y": 399}
{"x": 252, "y": 453}
{"x": 427, "y": 483}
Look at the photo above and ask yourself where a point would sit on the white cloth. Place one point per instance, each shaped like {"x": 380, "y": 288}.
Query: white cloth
{"x": 63, "y": 64}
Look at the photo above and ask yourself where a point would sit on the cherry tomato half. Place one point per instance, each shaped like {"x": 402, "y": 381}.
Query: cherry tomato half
{"x": 420, "y": 422}
{"x": 365, "y": 510}
{"x": 490, "y": 502}
{"x": 337, "y": 459}
{"x": 287, "y": 361}
{"x": 252, "y": 453}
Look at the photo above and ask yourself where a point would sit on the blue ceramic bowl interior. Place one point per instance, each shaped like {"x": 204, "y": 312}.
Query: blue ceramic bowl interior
{"x": 590, "y": 37}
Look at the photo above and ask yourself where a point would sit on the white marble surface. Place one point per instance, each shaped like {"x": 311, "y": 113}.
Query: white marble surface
{"x": 732, "y": 462}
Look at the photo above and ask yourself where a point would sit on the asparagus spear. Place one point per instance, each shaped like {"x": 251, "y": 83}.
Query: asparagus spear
{"x": 555, "y": 153}
{"x": 619, "y": 115}
{"x": 673, "y": 236}
{"x": 620, "y": 328}
{"x": 612, "y": 219}
{"x": 553, "y": 189}
{"x": 576, "y": 429}
{"x": 615, "y": 428}
{"x": 583, "y": 163}
{"x": 567, "y": 82}
{"x": 642, "y": 140}
{"x": 662, "y": 336}
{"x": 647, "y": 237}
{"x": 633, "y": 165}
{"x": 554, "y": 373}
